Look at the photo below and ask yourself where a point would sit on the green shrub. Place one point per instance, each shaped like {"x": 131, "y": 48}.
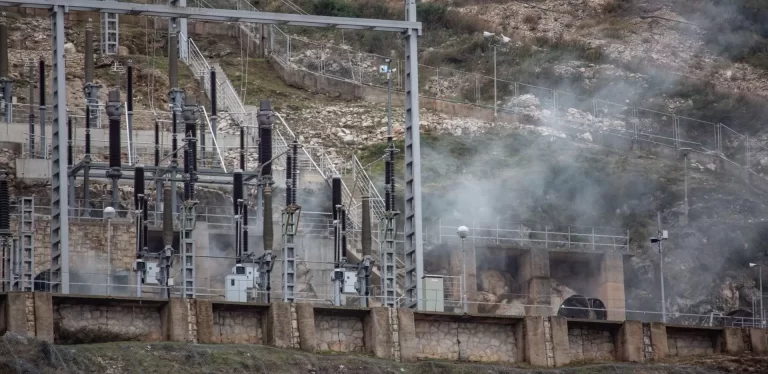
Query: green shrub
{"x": 433, "y": 15}
{"x": 334, "y": 8}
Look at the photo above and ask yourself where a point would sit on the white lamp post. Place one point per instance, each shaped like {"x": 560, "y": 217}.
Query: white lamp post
{"x": 109, "y": 213}
{"x": 760, "y": 268}
{"x": 463, "y": 232}
{"x": 497, "y": 40}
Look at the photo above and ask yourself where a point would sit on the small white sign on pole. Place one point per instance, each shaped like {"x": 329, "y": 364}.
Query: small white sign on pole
{"x": 382, "y": 68}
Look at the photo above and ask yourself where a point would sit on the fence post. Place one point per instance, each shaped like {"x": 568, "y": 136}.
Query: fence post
{"x": 521, "y": 234}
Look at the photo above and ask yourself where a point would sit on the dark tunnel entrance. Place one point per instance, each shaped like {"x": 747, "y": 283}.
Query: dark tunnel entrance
{"x": 578, "y": 306}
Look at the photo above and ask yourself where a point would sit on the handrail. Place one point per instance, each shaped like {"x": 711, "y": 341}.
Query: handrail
{"x": 213, "y": 136}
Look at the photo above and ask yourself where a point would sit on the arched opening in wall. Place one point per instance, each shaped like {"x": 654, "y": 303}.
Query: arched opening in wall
{"x": 576, "y": 306}
{"x": 739, "y": 318}
{"x": 597, "y": 309}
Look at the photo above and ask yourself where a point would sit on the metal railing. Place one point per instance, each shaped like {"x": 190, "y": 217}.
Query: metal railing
{"x": 536, "y": 235}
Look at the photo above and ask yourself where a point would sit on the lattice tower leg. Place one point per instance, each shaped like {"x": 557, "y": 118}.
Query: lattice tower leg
{"x": 388, "y": 265}
{"x": 59, "y": 180}
{"x": 414, "y": 257}
{"x": 289, "y": 256}
{"x": 26, "y": 250}
{"x": 188, "y": 251}
{"x": 110, "y": 33}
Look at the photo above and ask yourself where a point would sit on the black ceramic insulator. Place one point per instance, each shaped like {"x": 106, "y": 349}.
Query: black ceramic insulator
{"x": 145, "y": 213}
{"x": 288, "y": 182}
{"x": 265, "y": 150}
{"x": 213, "y": 92}
{"x": 192, "y": 131}
{"x": 174, "y": 141}
{"x": 114, "y": 143}
{"x": 237, "y": 190}
{"x": 130, "y": 88}
{"x": 336, "y": 195}
{"x": 42, "y": 82}
{"x": 138, "y": 185}
{"x": 157, "y": 143}
{"x": 69, "y": 141}
{"x": 245, "y": 229}
{"x": 87, "y": 129}
{"x": 5, "y": 205}
{"x": 295, "y": 173}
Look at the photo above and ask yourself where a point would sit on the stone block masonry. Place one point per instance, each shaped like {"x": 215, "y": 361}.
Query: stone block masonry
{"x": 339, "y": 334}
{"x": 385, "y": 333}
{"x": 588, "y": 343}
{"x": 466, "y": 341}
{"x": 78, "y": 323}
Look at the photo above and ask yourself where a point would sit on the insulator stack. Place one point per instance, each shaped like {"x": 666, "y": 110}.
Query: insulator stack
{"x": 335, "y": 203}
{"x": 265, "y": 120}
{"x": 114, "y": 112}
{"x": 237, "y": 190}
{"x": 213, "y": 92}
{"x": 167, "y": 217}
{"x": 174, "y": 140}
{"x": 366, "y": 235}
{"x": 3, "y": 47}
{"x": 5, "y": 205}
{"x": 245, "y": 228}
{"x": 268, "y": 229}
{"x": 129, "y": 97}
{"x": 87, "y": 128}
{"x": 145, "y": 214}
{"x": 70, "y": 156}
{"x": 138, "y": 185}
{"x": 157, "y": 143}
{"x": 387, "y": 181}
{"x": 288, "y": 181}
{"x": 41, "y": 86}
{"x": 89, "y": 52}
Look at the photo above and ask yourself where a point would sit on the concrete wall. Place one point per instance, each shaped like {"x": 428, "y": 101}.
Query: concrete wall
{"x": 691, "y": 342}
{"x": 466, "y": 341}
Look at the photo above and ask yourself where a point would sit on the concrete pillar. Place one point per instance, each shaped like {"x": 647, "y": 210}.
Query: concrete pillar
{"x": 733, "y": 341}
{"x": 378, "y": 333}
{"x": 758, "y": 339}
{"x": 535, "y": 341}
{"x": 659, "y": 340}
{"x": 407, "y": 335}
{"x": 204, "y": 310}
{"x": 16, "y": 314}
{"x": 306, "y": 323}
{"x": 175, "y": 320}
{"x": 560, "y": 346}
{"x": 534, "y": 280}
{"x": 43, "y": 316}
{"x": 629, "y": 344}
{"x": 464, "y": 265}
{"x": 610, "y": 287}
{"x": 277, "y": 328}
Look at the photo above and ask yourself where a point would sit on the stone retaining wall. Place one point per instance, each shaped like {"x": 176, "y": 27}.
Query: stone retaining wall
{"x": 483, "y": 342}
{"x": 690, "y": 343}
{"x": 339, "y": 334}
{"x": 237, "y": 327}
{"x": 100, "y": 323}
{"x": 591, "y": 344}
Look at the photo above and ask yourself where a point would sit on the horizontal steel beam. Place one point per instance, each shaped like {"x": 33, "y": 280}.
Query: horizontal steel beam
{"x": 218, "y": 15}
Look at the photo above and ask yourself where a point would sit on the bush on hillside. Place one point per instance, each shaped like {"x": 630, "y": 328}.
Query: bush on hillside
{"x": 334, "y": 8}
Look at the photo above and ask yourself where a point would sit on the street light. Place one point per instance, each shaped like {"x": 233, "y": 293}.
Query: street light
{"x": 109, "y": 213}
{"x": 497, "y": 40}
{"x": 661, "y": 236}
{"x": 760, "y": 268}
{"x": 463, "y": 232}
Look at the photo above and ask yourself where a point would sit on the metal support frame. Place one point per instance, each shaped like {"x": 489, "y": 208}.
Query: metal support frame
{"x": 290, "y": 224}
{"x": 187, "y": 243}
{"x": 266, "y": 263}
{"x": 414, "y": 245}
{"x": 388, "y": 258}
{"x": 23, "y": 269}
{"x": 110, "y": 33}
{"x": 60, "y": 197}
